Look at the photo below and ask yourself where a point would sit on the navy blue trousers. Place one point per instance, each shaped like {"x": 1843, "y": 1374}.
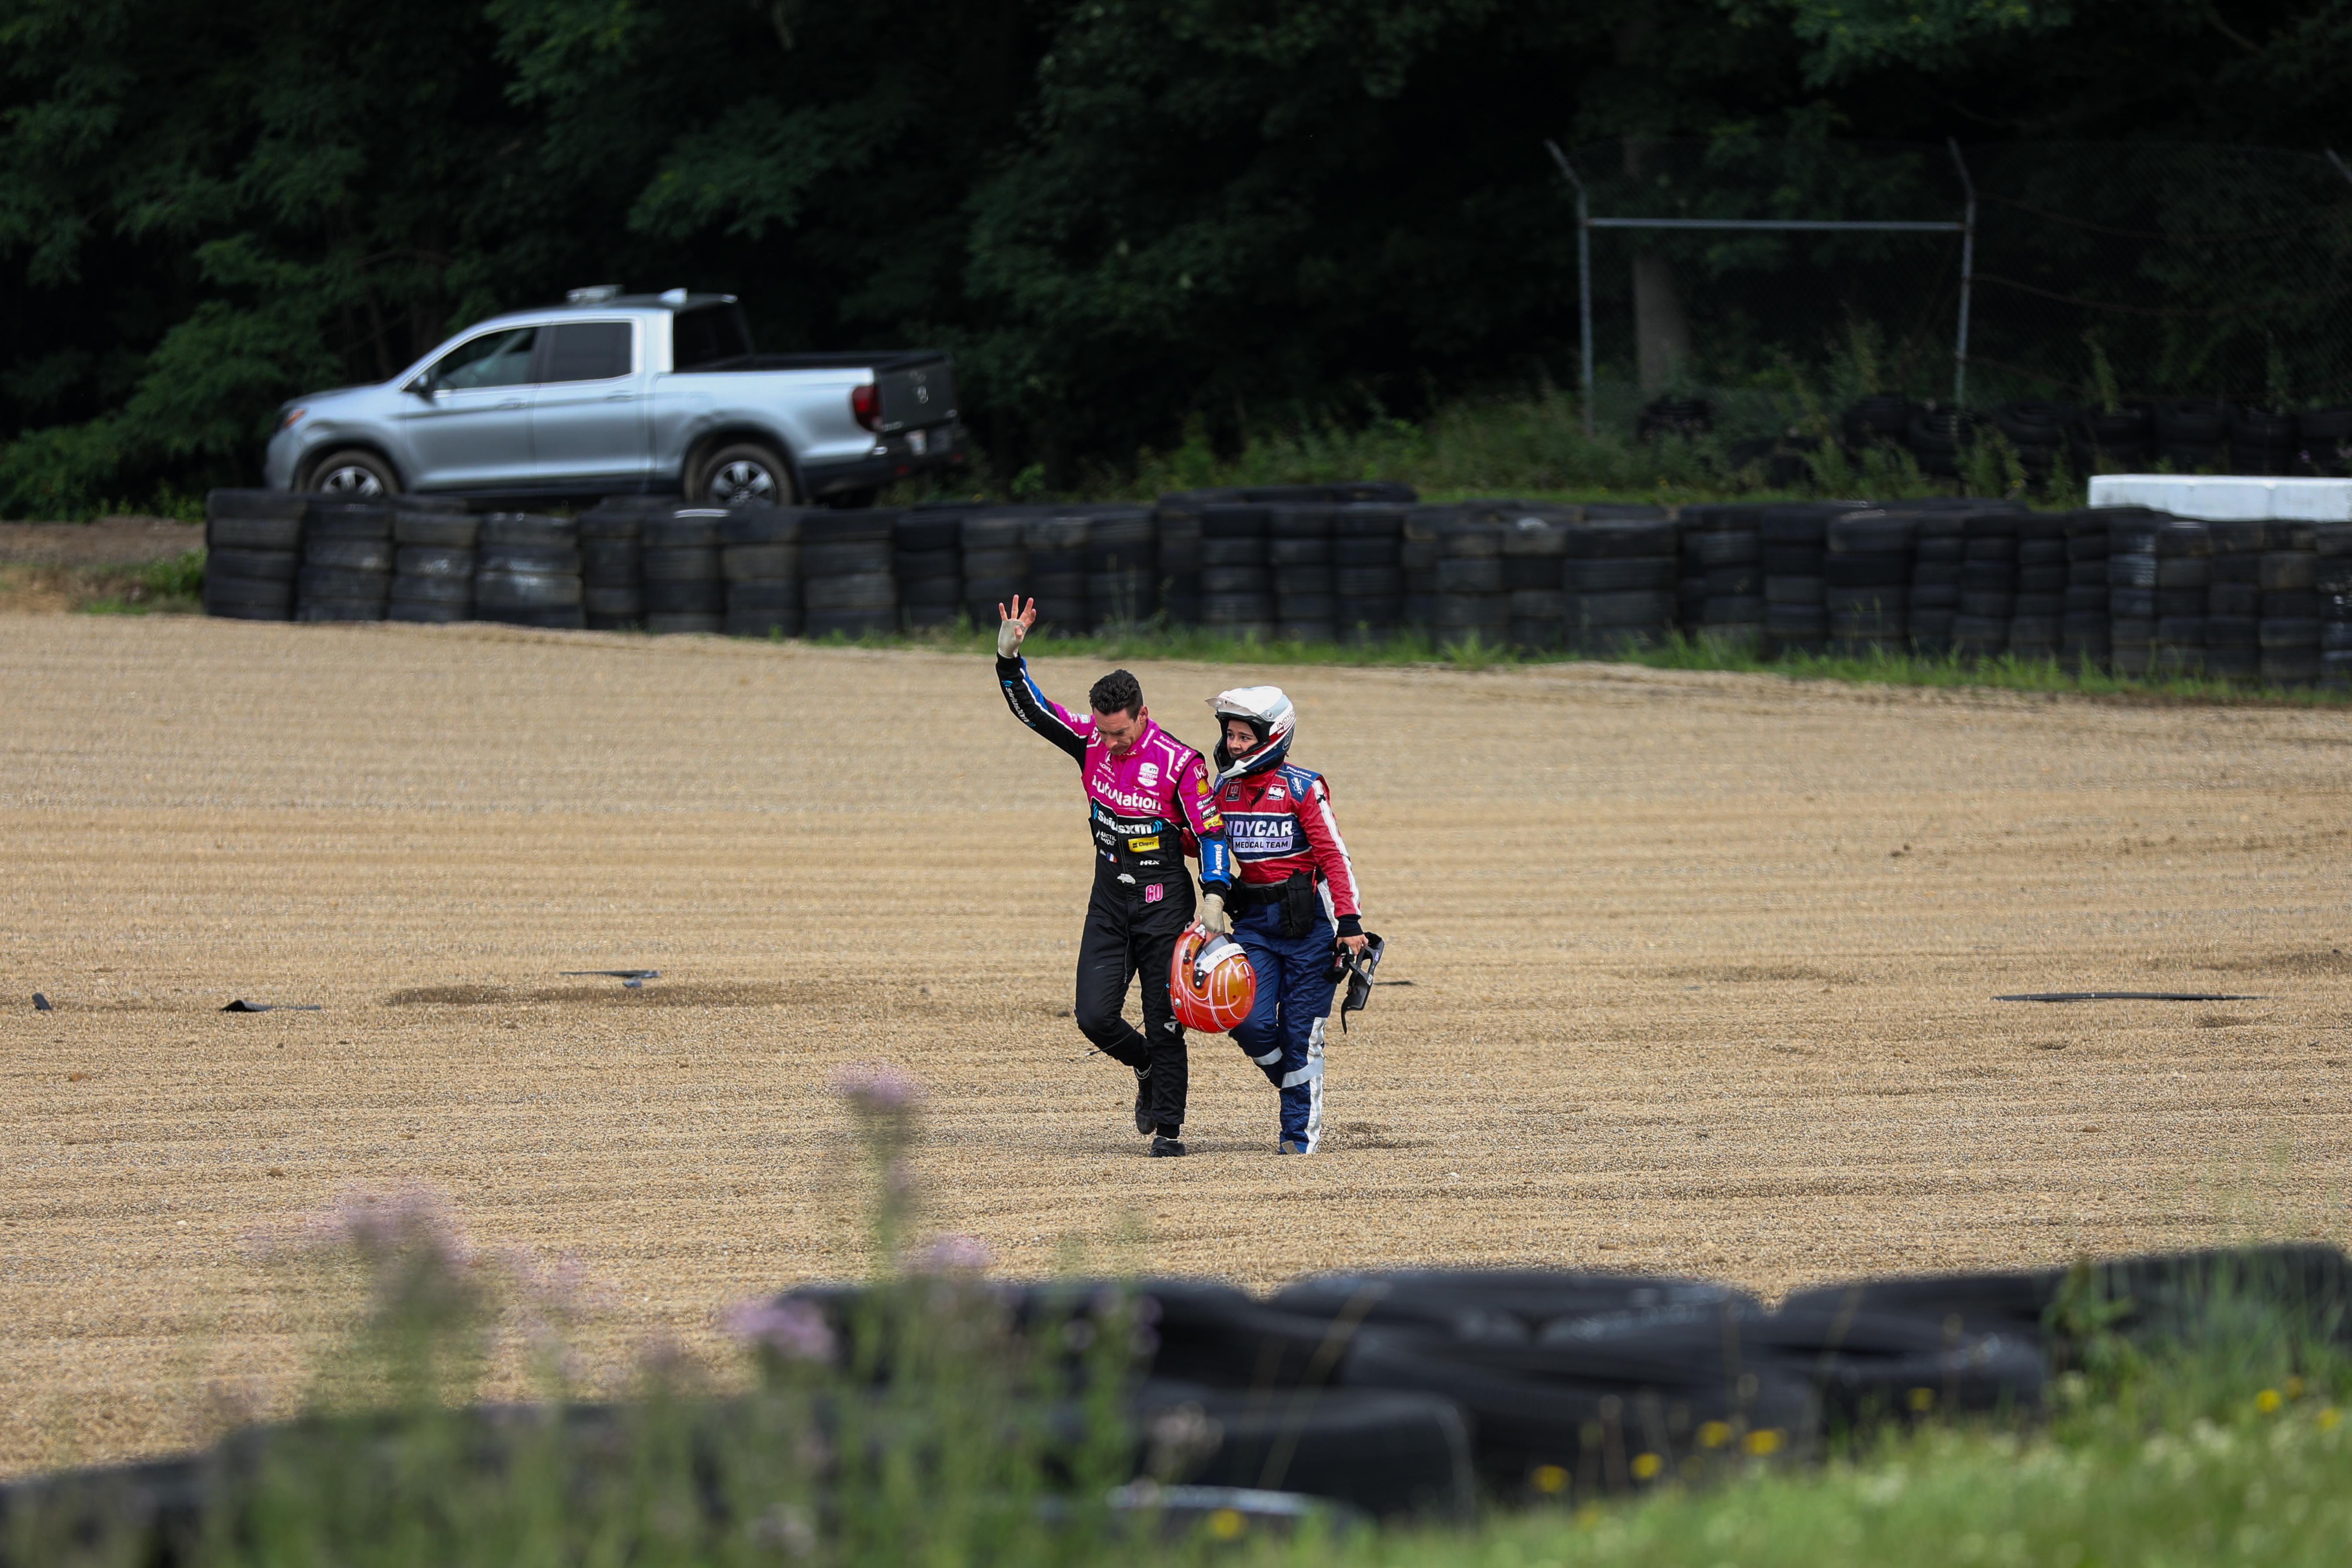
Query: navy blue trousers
{"x": 1284, "y": 1033}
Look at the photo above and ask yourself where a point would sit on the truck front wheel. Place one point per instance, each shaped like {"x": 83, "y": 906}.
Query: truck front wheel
{"x": 354, "y": 474}
{"x": 744, "y": 474}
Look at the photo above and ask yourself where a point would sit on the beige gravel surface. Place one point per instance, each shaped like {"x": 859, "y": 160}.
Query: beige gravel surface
{"x": 1702, "y": 971}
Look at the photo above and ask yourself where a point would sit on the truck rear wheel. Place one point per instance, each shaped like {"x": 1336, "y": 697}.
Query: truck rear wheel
{"x": 744, "y": 473}
{"x": 354, "y": 474}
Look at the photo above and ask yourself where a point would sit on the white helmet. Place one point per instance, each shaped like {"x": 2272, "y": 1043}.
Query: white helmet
{"x": 1270, "y": 717}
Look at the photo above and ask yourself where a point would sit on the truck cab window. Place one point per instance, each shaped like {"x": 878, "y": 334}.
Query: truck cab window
{"x": 711, "y": 335}
{"x": 494, "y": 359}
{"x": 588, "y": 351}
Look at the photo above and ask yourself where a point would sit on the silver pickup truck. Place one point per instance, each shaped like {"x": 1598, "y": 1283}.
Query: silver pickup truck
{"x": 612, "y": 393}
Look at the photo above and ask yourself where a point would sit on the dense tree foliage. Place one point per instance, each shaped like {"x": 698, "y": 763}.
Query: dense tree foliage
{"x": 1120, "y": 214}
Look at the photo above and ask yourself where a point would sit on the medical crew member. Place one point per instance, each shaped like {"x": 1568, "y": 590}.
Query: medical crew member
{"x": 1294, "y": 900}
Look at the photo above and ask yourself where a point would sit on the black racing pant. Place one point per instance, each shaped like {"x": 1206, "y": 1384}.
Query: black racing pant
{"x": 1131, "y": 928}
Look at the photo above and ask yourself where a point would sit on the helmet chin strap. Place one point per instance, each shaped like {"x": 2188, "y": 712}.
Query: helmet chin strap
{"x": 1247, "y": 761}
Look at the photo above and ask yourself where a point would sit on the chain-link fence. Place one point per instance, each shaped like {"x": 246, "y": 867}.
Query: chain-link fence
{"x": 2099, "y": 276}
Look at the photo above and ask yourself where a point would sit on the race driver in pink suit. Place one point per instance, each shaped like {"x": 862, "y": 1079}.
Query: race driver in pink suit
{"x": 1149, "y": 804}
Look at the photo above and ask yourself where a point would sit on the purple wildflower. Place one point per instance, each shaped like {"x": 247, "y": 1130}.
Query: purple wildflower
{"x": 955, "y": 1254}
{"x": 879, "y": 1089}
{"x": 796, "y": 1331}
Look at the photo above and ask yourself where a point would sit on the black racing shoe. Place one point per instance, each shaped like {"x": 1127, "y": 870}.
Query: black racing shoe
{"x": 1144, "y": 1121}
{"x": 1164, "y": 1146}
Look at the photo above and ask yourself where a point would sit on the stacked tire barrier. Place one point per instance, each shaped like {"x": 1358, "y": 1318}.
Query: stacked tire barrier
{"x": 1792, "y": 552}
{"x": 995, "y": 562}
{"x": 346, "y": 571}
{"x": 433, "y": 564}
{"x": 1940, "y": 550}
{"x": 1367, "y": 570}
{"x": 2234, "y": 601}
{"x": 2131, "y": 591}
{"x": 1471, "y": 597}
{"x": 1237, "y": 583}
{"x": 1179, "y": 562}
{"x": 527, "y": 571}
{"x": 760, "y": 556}
{"x": 927, "y": 559}
{"x": 612, "y": 563}
{"x": 2184, "y": 577}
{"x": 1988, "y": 583}
{"x": 2041, "y": 605}
{"x": 1298, "y": 552}
{"x": 1731, "y": 551}
{"x": 2084, "y": 634}
{"x": 2332, "y": 580}
{"x": 2289, "y": 632}
{"x": 1058, "y": 571}
{"x": 1122, "y": 568}
{"x": 685, "y": 578}
{"x": 252, "y": 548}
{"x": 1622, "y": 576}
{"x": 1534, "y": 566}
{"x": 2192, "y": 435}
{"x": 1419, "y": 549}
{"x": 846, "y": 564}
{"x": 2120, "y": 587}
{"x": 1866, "y": 570}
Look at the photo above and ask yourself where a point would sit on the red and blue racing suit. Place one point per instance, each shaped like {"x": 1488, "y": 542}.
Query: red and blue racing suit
{"x": 1296, "y": 884}
{"x": 1147, "y": 810}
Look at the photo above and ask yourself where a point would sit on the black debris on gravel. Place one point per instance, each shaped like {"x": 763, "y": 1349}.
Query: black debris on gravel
{"x": 2128, "y": 996}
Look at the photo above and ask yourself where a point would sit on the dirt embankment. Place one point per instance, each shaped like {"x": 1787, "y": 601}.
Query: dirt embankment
{"x": 49, "y": 567}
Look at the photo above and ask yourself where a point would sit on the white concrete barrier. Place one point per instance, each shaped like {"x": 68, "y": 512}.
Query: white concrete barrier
{"x": 2222, "y": 497}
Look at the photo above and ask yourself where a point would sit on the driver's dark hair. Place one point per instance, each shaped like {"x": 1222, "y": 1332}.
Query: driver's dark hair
{"x": 1117, "y": 692}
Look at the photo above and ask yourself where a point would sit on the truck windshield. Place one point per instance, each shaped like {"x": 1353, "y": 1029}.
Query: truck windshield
{"x": 710, "y": 335}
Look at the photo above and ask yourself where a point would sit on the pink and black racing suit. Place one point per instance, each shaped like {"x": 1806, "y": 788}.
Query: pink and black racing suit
{"x": 1147, "y": 810}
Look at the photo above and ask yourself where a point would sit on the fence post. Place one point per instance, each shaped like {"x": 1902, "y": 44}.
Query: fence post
{"x": 1967, "y": 277}
{"x": 1583, "y": 282}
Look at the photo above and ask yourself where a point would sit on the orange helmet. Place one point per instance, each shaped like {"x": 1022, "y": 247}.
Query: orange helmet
{"x": 1210, "y": 980}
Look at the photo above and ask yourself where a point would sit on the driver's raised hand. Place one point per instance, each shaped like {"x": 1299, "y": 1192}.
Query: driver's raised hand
{"x": 1016, "y": 623}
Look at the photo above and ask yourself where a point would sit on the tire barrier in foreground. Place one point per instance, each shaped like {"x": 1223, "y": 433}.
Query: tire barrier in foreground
{"x": 1415, "y": 1394}
{"x": 2120, "y": 588}
{"x": 1601, "y": 1384}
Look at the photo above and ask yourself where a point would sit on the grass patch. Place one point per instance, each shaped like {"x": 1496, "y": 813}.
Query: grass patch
{"x": 2259, "y": 1483}
{"x": 1533, "y": 446}
{"x": 173, "y": 586}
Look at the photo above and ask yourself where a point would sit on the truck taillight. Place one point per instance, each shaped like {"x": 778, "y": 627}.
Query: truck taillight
{"x": 866, "y": 406}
